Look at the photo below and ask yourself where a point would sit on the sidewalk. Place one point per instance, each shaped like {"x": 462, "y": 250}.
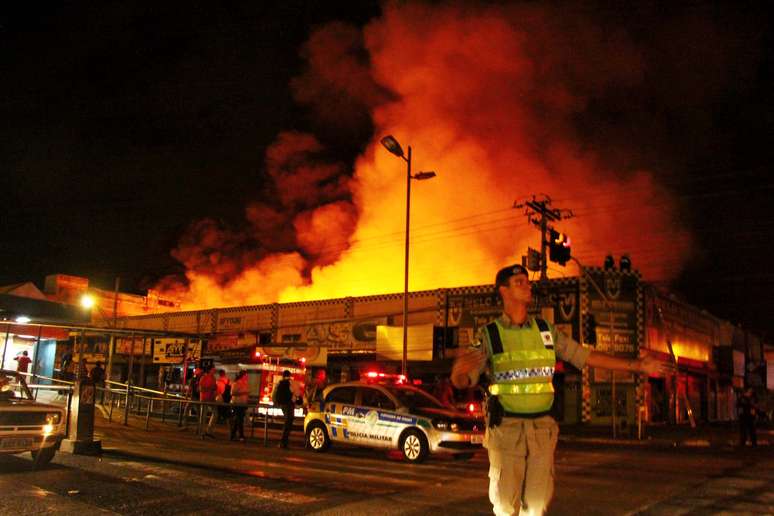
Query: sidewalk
{"x": 705, "y": 435}
{"x": 181, "y": 445}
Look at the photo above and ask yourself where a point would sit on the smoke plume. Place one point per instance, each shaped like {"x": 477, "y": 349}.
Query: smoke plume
{"x": 494, "y": 100}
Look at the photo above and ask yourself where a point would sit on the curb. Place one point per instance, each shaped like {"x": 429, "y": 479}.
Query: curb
{"x": 659, "y": 442}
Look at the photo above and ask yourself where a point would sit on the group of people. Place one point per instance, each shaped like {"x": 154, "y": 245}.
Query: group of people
{"x": 206, "y": 387}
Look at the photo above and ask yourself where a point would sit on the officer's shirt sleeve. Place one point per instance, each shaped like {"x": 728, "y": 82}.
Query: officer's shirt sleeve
{"x": 570, "y": 351}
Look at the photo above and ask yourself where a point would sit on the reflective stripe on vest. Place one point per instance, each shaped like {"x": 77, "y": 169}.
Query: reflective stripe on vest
{"x": 523, "y": 369}
{"x": 527, "y": 372}
{"x": 523, "y": 388}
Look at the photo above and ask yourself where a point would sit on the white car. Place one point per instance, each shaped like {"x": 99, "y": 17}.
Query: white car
{"x": 388, "y": 416}
{"x": 25, "y": 424}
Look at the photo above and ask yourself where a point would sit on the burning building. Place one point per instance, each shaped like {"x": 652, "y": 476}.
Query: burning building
{"x": 613, "y": 311}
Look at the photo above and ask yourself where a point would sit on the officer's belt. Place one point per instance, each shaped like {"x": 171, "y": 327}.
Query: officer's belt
{"x": 533, "y": 415}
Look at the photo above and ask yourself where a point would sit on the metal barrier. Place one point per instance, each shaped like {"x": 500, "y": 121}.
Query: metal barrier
{"x": 141, "y": 401}
{"x": 58, "y": 384}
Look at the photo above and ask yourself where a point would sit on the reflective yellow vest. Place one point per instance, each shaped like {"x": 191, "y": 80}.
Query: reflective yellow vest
{"x": 522, "y": 363}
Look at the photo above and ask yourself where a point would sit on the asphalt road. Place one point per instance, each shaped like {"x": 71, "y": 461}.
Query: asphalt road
{"x": 173, "y": 472}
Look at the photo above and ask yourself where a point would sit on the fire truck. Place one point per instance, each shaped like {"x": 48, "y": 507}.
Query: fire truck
{"x": 264, "y": 375}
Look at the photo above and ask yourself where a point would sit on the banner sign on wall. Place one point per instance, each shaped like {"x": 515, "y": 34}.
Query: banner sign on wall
{"x": 171, "y": 351}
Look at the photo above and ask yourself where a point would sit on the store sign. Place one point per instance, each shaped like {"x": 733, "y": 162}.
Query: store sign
{"x": 129, "y": 346}
{"x": 219, "y": 343}
{"x": 564, "y": 303}
{"x": 240, "y": 321}
{"x": 612, "y": 298}
{"x": 312, "y": 355}
{"x": 172, "y": 351}
{"x": 335, "y": 336}
{"x": 419, "y": 344}
{"x": 473, "y": 310}
{"x": 470, "y": 311}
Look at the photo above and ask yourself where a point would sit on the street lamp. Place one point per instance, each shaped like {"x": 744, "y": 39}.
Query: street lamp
{"x": 87, "y": 301}
{"x": 392, "y": 145}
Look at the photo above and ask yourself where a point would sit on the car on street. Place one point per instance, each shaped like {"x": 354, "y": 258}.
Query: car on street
{"x": 391, "y": 416}
{"x": 25, "y": 424}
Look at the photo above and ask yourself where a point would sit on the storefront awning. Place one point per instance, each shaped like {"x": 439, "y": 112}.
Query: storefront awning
{"x": 31, "y": 330}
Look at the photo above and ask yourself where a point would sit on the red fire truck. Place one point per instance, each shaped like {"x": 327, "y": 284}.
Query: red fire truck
{"x": 264, "y": 375}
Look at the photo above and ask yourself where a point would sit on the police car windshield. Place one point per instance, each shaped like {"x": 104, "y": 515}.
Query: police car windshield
{"x": 414, "y": 398}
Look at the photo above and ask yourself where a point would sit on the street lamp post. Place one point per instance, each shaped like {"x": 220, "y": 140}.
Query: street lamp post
{"x": 392, "y": 145}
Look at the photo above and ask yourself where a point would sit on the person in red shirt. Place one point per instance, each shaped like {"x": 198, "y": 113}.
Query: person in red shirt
{"x": 23, "y": 362}
{"x": 208, "y": 390}
{"x": 224, "y": 395}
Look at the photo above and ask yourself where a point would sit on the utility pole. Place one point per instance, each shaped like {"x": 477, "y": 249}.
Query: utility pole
{"x": 115, "y": 301}
{"x": 539, "y": 213}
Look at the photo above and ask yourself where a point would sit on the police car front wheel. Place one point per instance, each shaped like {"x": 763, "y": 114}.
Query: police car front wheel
{"x": 414, "y": 446}
{"x": 317, "y": 437}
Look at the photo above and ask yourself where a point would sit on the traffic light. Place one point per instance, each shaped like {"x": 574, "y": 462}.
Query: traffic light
{"x": 559, "y": 249}
{"x": 589, "y": 329}
{"x": 626, "y": 263}
{"x": 609, "y": 263}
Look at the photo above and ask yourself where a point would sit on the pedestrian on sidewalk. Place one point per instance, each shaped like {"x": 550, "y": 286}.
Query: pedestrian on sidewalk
{"x": 22, "y": 362}
{"x": 192, "y": 394}
{"x": 518, "y": 353}
{"x": 208, "y": 391}
{"x": 746, "y": 408}
{"x": 97, "y": 374}
{"x": 161, "y": 377}
{"x": 224, "y": 396}
{"x": 283, "y": 398}
{"x": 239, "y": 396}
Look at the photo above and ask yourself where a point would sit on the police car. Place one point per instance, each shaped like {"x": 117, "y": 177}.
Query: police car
{"x": 391, "y": 415}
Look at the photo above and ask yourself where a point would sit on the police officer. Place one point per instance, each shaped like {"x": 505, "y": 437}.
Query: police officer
{"x": 518, "y": 354}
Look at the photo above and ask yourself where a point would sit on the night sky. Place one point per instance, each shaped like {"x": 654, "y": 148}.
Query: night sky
{"x": 124, "y": 122}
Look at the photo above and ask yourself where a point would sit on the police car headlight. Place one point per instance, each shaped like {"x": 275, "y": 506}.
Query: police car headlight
{"x": 442, "y": 424}
{"x": 53, "y": 418}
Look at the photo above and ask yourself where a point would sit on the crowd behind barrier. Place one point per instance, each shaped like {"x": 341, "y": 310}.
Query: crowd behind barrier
{"x": 165, "y": 406}
{"x": 174, "y": 408}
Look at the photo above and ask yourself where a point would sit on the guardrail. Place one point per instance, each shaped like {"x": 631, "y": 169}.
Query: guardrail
{"x": 143, "y": 401}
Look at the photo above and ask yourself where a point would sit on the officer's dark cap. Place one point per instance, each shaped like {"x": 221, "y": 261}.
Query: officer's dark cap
{"x": 501, "y": 280}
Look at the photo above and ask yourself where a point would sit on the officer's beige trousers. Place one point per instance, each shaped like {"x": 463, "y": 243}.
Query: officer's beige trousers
{"x": 521, "y": 465}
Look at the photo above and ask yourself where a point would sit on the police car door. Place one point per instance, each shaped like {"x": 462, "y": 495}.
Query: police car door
{"x": 377, "y": 427}
{"x": 340, "y": 412}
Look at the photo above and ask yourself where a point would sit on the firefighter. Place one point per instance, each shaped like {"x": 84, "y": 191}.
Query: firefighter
{"x": 518, "y": 354}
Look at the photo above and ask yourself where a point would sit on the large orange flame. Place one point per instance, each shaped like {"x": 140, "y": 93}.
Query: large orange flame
{"x": 486, "y": 98}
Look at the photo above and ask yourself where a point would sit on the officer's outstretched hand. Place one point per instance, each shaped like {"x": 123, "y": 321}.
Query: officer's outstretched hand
{"x": 652, "y": 365}
{"x": 467, "y": 364}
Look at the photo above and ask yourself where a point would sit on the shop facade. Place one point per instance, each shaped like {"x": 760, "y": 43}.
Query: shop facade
{"x": 613, "y": 311}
